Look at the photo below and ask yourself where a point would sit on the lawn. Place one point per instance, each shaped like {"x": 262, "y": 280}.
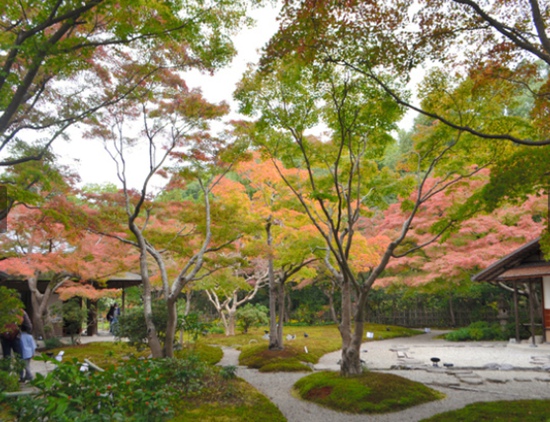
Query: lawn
{"x": 300, "y": 351}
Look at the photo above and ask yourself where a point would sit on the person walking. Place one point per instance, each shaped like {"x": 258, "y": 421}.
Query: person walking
{"x": 112, "y": 317}
{"x": 10, "y": 337}
{"x": 28, "y": 348}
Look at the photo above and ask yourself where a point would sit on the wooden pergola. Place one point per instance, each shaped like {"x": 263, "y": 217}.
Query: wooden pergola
{"x": 525, "y": 265}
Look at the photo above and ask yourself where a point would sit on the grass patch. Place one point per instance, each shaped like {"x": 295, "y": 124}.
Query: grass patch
{"x": 106, "y": 353}
{"x": 237, "y": 402}
{"x": 102, "y": 353}
{"x": 320, "y": 340}
{"x": 368, "y": 393}
{"x": 207, "y": 353}
{"x": 498, "y": 411}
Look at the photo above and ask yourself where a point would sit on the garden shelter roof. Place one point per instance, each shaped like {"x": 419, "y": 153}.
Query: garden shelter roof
{"x": 526, "y": 262}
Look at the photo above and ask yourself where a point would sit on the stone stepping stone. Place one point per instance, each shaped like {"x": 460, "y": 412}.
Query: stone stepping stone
{"x": 497, "y": 380}
{"x": 478, "y": 381}
{"x": 445, "y": 384}
{"x": 459, "y": 373}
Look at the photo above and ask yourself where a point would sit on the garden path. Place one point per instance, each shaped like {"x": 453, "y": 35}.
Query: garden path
{"x": 481, "y": 372}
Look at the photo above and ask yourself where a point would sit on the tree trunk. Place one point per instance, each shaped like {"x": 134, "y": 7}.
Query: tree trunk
{"x": 170, "y": 328}
{"x": 231, "y": 323}
{"x": 281, "y": 302}
{"x": 351, "y": 342}
{"x": 152, "y": 337}
{"x": 452, "y": 310}
{"x": 351, "y": 355}
{"x": 274, "y": 339}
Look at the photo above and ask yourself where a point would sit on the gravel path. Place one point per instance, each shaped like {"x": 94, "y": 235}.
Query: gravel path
{"x": 480, "y": 372}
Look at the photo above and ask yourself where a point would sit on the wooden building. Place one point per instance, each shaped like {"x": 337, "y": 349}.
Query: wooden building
{"x": 526, "y": 265}
{"x": 121, "y": 281}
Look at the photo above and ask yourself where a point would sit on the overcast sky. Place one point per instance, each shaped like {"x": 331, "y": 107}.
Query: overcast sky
{"x": 92, "y": 162}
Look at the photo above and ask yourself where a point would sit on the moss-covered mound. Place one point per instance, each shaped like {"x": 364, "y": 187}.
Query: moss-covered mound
{"x": 290, "y": 359}
{"x": 498, "y": 411}
{"x": 236, "y": 402}
{"x": 370, "y": 392}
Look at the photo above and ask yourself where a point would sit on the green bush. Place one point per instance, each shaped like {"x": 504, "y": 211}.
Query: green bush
{"x": 251, "y": 316}
{"x": 138, "y": 390}
{"x": 482, "y": 331}
{"x": 9, "y": 374}
{"x": 131, "y": 324}
{"x": 52, "y": 343}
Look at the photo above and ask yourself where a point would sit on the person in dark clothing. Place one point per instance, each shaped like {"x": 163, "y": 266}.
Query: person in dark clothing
{"x": 112, "y": 317}
{"x": 10, "y": 337}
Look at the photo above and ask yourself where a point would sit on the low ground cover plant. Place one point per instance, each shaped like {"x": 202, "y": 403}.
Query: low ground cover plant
{"x": 370, "y": 392}
{"x": 134, "y": 388}
{"x": 482, "y": 331}
{"x": 498, "y": 411}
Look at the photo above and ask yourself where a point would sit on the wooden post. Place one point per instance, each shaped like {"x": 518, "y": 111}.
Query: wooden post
{"x": 532, "y": 314}
{"x": 516, "y": 311}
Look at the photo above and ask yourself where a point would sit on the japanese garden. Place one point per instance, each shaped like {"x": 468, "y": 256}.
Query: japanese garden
{"x": 299, "y": 218}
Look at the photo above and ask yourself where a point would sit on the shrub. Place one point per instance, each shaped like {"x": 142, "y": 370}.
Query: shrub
{"x": 251, "y": 316}
{"x": 52, "y": 343}
{"x": 131, "y": 324}
{"x": 138, "y": 390}
{"x": 9, "y": 374}
{"x": 482, "y": 331}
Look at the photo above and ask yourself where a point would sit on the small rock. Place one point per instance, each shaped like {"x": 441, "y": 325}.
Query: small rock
{"x": 496, "y": 380}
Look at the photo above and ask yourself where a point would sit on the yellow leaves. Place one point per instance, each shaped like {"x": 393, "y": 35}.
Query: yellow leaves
{"x": 366, "y": 253}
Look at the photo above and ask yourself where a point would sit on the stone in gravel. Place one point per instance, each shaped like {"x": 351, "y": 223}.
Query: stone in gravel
{"x": 518, "y": 379}
{"x": 462, "y": 376}
{"x": 445, "y": 384}
{"x": 506, "y": 367}
{"x": 472, "y": 381}
{"x": 496, "y": 380}
{"x": 542, "y": 379}
{"x": 491, "y": 366}
{"x": 457, "y": 373}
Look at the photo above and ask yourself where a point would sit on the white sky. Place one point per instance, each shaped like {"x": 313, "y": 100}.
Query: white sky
{"x": 91, "y": 161}
{"x": 88, "y": 157}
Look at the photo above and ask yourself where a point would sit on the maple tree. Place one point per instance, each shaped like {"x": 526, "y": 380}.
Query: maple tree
{"x": 55, "y": 55}
{"x": 227, "y": 292}
{"x": 172, "y": 234}
{"x": 344, "y": 176}
{"x": 39, "y": 246}
{"x": 498, "y": 45}
{"x": 488, "y": 50}
{"x": 480, "y": 240}
{"x": 285, "y": 244}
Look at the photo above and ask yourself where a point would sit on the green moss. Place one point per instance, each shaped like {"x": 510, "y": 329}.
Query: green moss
{"x": 285, "y": 366}
{"x": 239, "y": 402}
{"x": 209, "y": 354}
{"x": 498, "y": 411}
{"x": 368, "y": 393}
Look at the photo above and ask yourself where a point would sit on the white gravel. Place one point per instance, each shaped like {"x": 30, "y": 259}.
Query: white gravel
{"x": 481, "y": 372}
